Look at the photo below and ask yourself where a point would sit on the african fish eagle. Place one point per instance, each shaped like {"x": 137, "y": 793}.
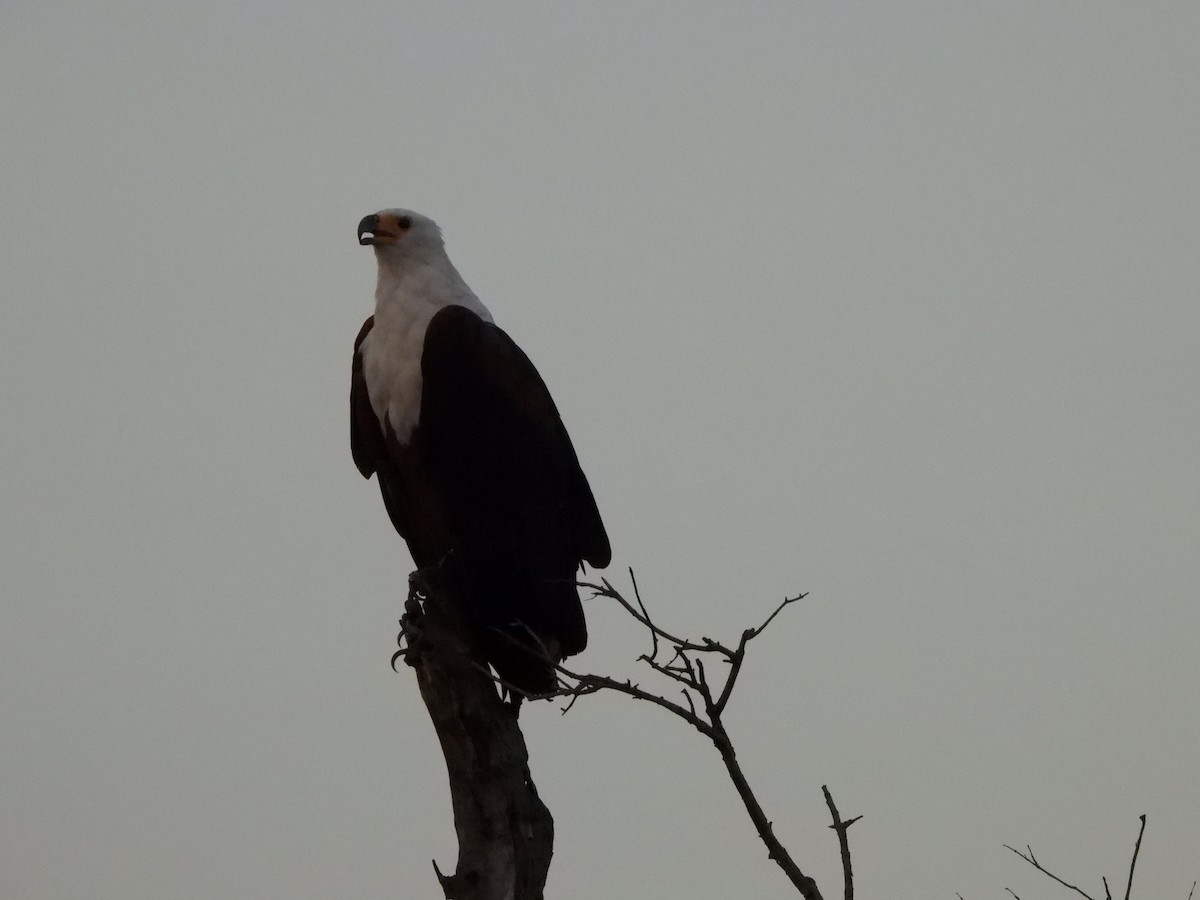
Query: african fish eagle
{"x": 477, "y": 472}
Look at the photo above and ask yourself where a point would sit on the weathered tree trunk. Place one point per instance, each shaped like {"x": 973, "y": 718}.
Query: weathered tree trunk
{"x": 505, "y": 832}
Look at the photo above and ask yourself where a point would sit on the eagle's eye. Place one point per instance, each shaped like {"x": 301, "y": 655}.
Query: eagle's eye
{"x": 405, "y": 222}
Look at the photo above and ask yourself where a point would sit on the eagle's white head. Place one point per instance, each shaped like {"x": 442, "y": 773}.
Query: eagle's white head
{"x": 401, "y": 235}
{"x": 413, "y": 265}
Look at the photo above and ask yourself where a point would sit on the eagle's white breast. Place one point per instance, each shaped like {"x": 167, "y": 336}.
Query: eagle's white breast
{"x": 391, "y": 351}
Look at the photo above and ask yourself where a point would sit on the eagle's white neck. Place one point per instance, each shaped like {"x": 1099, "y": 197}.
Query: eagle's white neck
{"x": 410, "y": 290}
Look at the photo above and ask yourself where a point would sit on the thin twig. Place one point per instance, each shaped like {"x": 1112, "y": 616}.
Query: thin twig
{"x": 692, "y": 707}
{"x": 1033, "y": 862}
{"x": 786, "y": 601}
{"x": 1133, "y": 862}
{"x": 702, "y": 688}
{"x": 590, "y": 684}
{"x": 637, "y": 595}
{"x": 605, "y": 589}
{"x": 675, "y": 673}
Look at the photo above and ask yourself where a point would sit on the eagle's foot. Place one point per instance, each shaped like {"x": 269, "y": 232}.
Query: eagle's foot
{"x": 408, "y": 640}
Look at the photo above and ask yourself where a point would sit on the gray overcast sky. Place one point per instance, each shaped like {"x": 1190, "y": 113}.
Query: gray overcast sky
{"x": 898, "y": 304}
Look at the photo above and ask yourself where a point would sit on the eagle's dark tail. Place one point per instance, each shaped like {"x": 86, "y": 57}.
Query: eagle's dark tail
{"x": 522, "y": 660}
{"x": 520, "y": 629}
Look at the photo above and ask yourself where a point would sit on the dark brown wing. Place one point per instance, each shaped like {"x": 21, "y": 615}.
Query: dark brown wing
{"x": 520, "y": 512}
{"x": 490, "y": 410}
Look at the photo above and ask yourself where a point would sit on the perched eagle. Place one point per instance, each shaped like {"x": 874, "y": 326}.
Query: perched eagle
{"x": 477, "y": 472}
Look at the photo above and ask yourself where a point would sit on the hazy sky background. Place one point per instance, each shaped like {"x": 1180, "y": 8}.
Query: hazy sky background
{"x": 894, "y": 303}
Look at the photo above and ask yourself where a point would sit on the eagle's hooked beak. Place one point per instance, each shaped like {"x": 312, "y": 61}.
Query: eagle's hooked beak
{"x": 368, "y": 230}
{"x": 383, "y": 229}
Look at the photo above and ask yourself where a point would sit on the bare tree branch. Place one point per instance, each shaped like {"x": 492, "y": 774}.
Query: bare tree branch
{"x": 590, "y": 684}
{"x": 841, "y": 828}
{"x": 735, "y": 668}
{"x": 686, "y": 668}
{"x": 1033, "y": 862}
{"x": 1133, "y": 862}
